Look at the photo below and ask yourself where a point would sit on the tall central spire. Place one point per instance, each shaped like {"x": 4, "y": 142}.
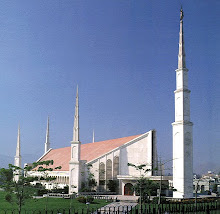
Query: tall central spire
{"x": 181, "y": 55}
{"x": 76, "y": 119}
{"x": 182, "y": 128}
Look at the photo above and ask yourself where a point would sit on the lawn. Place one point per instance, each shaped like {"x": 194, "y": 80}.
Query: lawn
{"x": 50, "y": 203}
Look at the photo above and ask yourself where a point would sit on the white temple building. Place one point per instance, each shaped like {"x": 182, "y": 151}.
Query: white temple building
{"x": 108, "y": 160}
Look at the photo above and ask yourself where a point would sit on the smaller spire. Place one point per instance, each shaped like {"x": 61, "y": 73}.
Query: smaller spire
{"x": 17, "y": 159}
{"x": 18, "y": 143}
{"x": 93, "y": 136}
{"x": 47, "y": 142}
{"x": 76, "y": 119}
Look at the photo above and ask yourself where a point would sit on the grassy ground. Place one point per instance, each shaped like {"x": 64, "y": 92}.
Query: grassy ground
{"x": 50, "y": 203}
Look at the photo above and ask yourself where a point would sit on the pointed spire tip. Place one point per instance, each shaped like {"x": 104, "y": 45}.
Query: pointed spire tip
{"x": 47, "y": 142}
{"x": 93, "y": 136}
{"x": 76, "y": 119}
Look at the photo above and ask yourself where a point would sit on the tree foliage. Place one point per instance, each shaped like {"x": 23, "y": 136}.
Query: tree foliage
{"x": 145, "y": 188}
{"x": 18, "y": 191}
{"x": 141, "y": 168}
{"x": 215, "y": 188}
{"x": 90, "y": 183}
{"x": 112, "y": 185}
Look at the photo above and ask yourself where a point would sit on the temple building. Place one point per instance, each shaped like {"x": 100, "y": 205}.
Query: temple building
{"x": 105, "y": 160}
{"x": 109, "y": 160}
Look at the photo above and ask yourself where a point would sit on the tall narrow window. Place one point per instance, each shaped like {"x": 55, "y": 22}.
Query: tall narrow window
{"x": 109, "y": 170}
{"x": 115, "y": 167}
{"x": 101, "y": 174}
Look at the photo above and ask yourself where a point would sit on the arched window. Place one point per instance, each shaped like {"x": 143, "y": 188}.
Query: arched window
{"x": 109, "y": 169}
{"x": 102, "y": 174}
{"x": 115, "y": 167}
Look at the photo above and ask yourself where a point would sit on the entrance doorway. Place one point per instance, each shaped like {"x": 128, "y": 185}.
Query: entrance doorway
{"x": 128, "y": 189}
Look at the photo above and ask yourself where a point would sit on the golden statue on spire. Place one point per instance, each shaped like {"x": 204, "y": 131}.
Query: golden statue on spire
{"x": 181, "y": 13}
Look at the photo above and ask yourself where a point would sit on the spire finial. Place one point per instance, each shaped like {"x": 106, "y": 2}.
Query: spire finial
{"x": 181, "y": 13}
{"x": 76, "y": 118}
{"x": 47, "y": 142}
{"x": 181, "y": 55}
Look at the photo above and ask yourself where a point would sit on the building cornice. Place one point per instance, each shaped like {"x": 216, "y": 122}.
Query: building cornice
{"x": 182, "y": 90}
{"x": 181, "y": 69}
{"x": 75, "y": 142}
{"x": 182, "y": 122}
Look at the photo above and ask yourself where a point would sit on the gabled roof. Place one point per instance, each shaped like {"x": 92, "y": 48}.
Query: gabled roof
{"x": 89, "y": 152}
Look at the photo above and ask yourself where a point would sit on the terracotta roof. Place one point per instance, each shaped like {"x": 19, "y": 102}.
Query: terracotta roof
{"x": 90, "y": 151}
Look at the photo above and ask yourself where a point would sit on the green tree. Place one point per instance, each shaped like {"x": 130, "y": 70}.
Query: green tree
{"x": 19, "y": 191}
{"x": 141, "y": 183}
{"x": 215, "y": 188}
{"x": 145, "y": 188}
{"x": 112, "y": 185}
{"x": 90, "y": 183}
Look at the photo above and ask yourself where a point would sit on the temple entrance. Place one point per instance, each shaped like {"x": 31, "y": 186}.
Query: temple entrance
{"x": 128, "y": 189}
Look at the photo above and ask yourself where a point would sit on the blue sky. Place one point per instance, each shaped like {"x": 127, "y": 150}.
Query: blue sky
{"x": 123, "y": 56}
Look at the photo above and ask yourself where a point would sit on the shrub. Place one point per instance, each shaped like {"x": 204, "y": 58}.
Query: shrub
{"x": 188, "y": 201}
{"x": 163, "y": 200}
{"x": 64, "y": 190}
{"x": 112, "y": 185}
{"x": 199, "y": 200}
{"x": 81, "y": 199}
{"x": 8, "y": 198}
{"x": 41, "y": 192}
{"x": 90, "y": 199}
{"x": 85, "y": 189}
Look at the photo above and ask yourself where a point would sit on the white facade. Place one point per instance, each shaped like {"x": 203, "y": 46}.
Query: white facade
{"x": 62, "y": 178}
{"x": 182, "y": 128}
{"x": 141, "y": 150}
{"x": 111, "y": 165}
